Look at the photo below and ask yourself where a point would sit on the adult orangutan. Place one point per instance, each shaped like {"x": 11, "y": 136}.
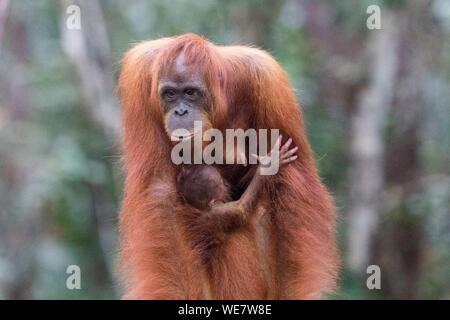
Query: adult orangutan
{"x": 285, "y": 248}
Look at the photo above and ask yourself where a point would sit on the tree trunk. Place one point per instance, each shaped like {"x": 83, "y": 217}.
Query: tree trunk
{"x": 367, "y": 145}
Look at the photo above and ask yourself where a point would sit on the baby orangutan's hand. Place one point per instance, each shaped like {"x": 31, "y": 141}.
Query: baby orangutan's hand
{"x": 277, "y": 156}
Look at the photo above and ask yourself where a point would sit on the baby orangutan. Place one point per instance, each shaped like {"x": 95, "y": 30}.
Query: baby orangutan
{"x": 202, "y": 187}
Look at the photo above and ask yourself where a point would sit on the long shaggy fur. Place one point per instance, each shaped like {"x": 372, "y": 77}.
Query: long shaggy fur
{"x": 288, "y": 251}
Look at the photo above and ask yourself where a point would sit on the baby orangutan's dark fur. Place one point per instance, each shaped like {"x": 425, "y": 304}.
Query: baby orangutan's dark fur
{"x": 199, "y": 185}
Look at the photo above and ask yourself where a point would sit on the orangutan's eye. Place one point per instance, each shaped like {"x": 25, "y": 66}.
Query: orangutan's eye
{"x": 168, "y": 94}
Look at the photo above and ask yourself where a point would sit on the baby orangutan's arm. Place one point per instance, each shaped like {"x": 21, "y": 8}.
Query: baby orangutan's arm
{"x": 229, "y": 215}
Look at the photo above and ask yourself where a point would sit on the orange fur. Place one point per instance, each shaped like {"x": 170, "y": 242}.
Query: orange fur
{"x": 288, "y": 250}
